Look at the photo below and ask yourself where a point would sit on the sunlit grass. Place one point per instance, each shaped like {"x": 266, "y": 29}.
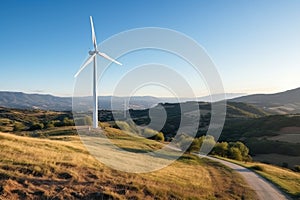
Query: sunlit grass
{"x": 61, "y": 167}
{"x": 287, "y": 180}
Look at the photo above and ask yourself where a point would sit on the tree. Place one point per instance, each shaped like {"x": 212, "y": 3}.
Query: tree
{"x": 183, "y": 141}
{"x": 195, "y": 146}
{"x": 243, "y": 148}
{"x": 207, "y": 143}
{"x": 233, "y": 150}
{"x": 221, "y": 149}
{"x": 235, "y": 153}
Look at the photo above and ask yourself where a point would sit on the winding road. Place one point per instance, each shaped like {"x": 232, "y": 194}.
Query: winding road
{"x": 264, "y": 189}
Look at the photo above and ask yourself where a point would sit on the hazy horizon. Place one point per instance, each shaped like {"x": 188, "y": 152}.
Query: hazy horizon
{"x": 184, "y": 97}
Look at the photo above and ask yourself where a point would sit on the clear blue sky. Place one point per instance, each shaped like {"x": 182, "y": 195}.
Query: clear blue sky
{"x": 255, "y": 44}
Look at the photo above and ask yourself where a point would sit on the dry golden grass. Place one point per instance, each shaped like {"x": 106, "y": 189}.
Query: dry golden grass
{"x": 61, "y": 168}
{"x": 277, "y": 159}
{"x": 287, "y": 180}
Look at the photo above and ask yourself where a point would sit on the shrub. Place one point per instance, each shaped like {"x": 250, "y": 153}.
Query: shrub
{"x": 56, "y": 123}
{"x": 297, "y": 168}
{"x": 183, "y": 141}
{"x": 18, "y": 126}
{"x": 132, "y": 128}
{"x": 49, "y": 125}
{"x": 36, "y": 126}
{"x": 149, "y": 133}
{"x": 257, "y": 168}
{"x": 34, "y": 134}
{"x": 195, "y": 146}
{"x": 68, "y": 122}
{"x": 129, "y": 126}
{"x": 233, "y": 150}
{"x": 207, "y": 143}
{"x": 285, "y": 165}
{"x": 243, "y": 149}
{"x": 159, "y": 137}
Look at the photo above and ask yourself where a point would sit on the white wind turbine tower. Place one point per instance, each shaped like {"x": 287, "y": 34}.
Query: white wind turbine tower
{"x": 93, "y": 57}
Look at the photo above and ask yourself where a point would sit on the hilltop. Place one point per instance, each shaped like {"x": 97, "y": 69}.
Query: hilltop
{"x": 287, "y": 102}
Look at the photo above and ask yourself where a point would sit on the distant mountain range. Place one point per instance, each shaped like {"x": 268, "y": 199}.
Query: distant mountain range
{"x": 279, "y": 103}
{"x": 48, "y": 102}
{"x": 22, "y": 100}
{"x": 287, "y": 102}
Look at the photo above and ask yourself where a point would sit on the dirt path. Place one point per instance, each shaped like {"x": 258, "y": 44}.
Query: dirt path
{"x": 263, "y": 188}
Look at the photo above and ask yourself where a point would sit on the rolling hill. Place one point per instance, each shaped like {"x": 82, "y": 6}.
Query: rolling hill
{"x": 31, "y": 101}
{"x": 287, "y": 102}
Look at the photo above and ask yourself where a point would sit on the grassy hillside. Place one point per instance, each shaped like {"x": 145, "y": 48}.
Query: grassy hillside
{"x": 11, "y": 119}
{"x": 287, "y": 102}
{"x": 259, "y": 127}
{"x": 280, "y": 133}
{"x": 173, "y": 110}
{"x": 59, "y": 167}
{"x": 285, "y": 179}
{"x": 272, "y": 139}
{"x": 23, "y": 120}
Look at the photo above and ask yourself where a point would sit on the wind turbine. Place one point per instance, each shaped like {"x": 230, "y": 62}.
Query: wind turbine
{"x": 93, "y": 57}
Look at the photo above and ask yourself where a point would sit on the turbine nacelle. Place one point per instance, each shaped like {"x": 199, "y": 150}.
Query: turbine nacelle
{"x": 93, "y": 52}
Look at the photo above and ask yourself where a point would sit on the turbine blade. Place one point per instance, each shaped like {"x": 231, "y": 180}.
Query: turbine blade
{"x": 85, "y": 64}
{"x": 93, "y": 33}
{"x": 108, "y": 58}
